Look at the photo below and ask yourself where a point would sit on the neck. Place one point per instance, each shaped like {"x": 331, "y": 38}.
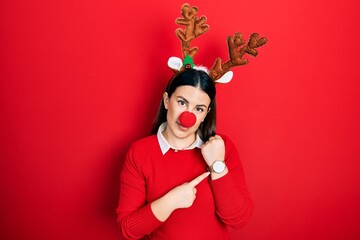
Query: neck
{"x": 179, "y": 143}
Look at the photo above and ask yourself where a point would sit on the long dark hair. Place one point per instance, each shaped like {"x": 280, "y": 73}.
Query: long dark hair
{"x": 198, "y": 79}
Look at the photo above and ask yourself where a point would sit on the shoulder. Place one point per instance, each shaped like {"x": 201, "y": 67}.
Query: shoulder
{"x": 146, "y": 142}
{"x": 144, "y": 146}
{"x": 141, "y": 152}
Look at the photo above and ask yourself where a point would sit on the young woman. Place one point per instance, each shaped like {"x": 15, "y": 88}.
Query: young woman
{"x": 184, "y": 181}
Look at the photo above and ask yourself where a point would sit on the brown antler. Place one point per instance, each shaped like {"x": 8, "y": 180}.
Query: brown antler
{"x": 236, "y": 55}
{"x": 194, "y": 27}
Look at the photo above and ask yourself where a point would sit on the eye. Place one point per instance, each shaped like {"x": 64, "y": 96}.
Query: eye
{"x": 181, "y": 102}
{"x": 199, "y": 109}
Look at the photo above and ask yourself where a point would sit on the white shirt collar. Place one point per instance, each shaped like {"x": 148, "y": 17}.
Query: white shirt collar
{"x": 165, "y": 146}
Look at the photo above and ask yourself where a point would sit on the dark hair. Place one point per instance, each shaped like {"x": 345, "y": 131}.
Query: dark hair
{"x": 198, "y": 79}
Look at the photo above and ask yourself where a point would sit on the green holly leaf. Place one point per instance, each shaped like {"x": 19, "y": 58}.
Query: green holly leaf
{"x": 188, "y": 61}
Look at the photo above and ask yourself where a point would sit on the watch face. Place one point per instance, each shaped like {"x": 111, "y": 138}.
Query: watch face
{"x": 218, "y": 166}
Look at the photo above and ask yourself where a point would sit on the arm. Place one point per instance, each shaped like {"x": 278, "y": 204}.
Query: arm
{"x": 135, "y": 216}
{"x": 232, "y": 199}
{"x": 182, "y": 196}
{"x": 138, "y": 218}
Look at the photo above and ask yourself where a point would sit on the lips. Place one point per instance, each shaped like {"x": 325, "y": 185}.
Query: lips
{"x": 182, "y": 128}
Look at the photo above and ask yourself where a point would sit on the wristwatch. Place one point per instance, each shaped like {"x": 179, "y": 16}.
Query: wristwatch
{"x": 218, "y": 166}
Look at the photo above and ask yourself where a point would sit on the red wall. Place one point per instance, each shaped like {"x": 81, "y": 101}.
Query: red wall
{"x": 81, "y": 80}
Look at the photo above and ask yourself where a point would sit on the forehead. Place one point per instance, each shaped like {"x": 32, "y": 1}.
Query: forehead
{"x": 192, "y": 94}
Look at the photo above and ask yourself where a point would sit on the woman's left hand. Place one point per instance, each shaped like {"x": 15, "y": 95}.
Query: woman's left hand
{"x": 213, "y": 150}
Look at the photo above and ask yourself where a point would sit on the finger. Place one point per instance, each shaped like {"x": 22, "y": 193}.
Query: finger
{"x": 217, "y": 137}
{"x": 198, "y": 180}
{"x": 211, "y": 138}
{"x": 206, "y": 143}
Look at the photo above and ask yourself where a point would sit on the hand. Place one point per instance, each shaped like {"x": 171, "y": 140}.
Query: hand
{"x": 214, "y": 149}
{"x": 183, "y": 196}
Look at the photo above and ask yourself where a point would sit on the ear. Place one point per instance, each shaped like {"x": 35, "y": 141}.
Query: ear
{"x": 166, "y": 100}
{"x": 225, "y": 78}
{"x": 175, "y": 63}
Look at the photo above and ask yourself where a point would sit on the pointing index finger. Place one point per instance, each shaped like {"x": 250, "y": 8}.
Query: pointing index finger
{"x": 198, "y": 179}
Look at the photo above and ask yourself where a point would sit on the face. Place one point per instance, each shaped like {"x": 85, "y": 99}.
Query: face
{"x": 185, "y": 98}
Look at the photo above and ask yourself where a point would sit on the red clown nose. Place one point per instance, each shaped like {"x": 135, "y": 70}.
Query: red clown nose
{"x": 187, "y": 119}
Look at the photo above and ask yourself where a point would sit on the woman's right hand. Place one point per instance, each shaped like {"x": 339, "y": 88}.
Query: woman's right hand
{"x": 182, "y": 196}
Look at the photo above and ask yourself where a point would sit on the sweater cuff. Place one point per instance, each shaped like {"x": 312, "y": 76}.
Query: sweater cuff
{"x": 150, "y": 220}
{"x": 140, "y": 223}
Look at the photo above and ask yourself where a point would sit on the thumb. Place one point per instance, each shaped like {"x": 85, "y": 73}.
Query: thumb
{"x": 198, "y": 179}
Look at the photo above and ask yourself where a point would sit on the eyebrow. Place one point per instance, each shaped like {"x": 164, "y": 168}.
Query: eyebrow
{"x": 185, "y": 100}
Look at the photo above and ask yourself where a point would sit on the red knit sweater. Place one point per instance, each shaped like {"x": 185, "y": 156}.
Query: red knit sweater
{"x": 147, "y": 175}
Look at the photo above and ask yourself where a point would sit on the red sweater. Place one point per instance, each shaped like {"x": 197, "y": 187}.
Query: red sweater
{"x": 147, "y": 175}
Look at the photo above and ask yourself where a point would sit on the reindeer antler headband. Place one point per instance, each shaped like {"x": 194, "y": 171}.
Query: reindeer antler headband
{"x": 194, "y": 27}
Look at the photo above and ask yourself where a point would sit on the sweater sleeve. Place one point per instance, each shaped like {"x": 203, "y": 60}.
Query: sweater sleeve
{"x": 232, "y": 199}
{"x": 135, "y": 217}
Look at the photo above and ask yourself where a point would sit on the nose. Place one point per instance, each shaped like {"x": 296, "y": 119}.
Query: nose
{"x": 187, "y": 119}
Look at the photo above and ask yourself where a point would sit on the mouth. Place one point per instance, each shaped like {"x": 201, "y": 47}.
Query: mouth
{"x": 182, "y": 128}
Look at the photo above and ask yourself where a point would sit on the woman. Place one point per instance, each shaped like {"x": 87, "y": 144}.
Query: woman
{"x": 184, "y": 181}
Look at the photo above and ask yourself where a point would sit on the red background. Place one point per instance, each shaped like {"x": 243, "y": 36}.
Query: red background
{"x": 81, "y": 80}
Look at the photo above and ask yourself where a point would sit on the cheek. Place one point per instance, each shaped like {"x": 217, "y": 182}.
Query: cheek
{"x": 173, "y": 112}
{"x": 200, "y": 118}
